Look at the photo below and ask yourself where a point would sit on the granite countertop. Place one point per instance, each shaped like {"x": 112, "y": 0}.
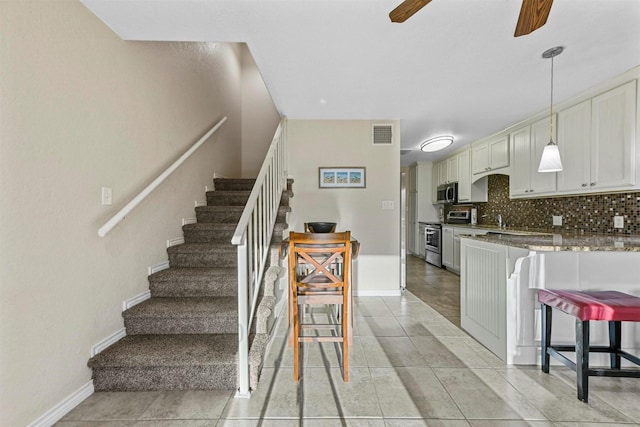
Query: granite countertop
{"x": 547, "y": 242}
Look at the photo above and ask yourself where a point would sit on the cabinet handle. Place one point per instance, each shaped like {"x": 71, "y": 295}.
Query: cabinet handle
{"x": 593, "y": 183}
{"x": 526, "y": 191}
{"x": 584, "y": 185}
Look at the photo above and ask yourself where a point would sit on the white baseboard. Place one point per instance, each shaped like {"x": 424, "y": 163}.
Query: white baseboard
{"x": 97, "y": 348}
{"x": 200, "y": 203}
{"x": 381, "y": 293}
{"x": 186, "y": 221}
{"x": 136, "y": 300}
{"x": 158, "y": 267}
{"x": 56, "y": 413}
{"x": 175, "y": 241}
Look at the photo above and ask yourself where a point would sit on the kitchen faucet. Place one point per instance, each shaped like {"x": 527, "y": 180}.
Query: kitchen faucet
{"x": 501, "y": 224}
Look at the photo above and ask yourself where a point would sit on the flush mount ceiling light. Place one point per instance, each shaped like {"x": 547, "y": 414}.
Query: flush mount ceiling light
{"x": 436, "y": 144}
{"x": 550, "y": 160}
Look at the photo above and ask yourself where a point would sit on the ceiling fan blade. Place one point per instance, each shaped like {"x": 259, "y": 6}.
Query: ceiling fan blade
{"x": 406, "y": 9}
{"x": 533, "y": 15}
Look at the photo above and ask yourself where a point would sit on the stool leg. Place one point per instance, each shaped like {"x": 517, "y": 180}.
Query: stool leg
{"x": 545, "y": 342}
{"x": 615, "y": 336}
{"x": 582, "y": 358}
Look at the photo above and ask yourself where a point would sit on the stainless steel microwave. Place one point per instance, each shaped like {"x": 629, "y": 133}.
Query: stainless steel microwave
{"x": 447, "y": 193}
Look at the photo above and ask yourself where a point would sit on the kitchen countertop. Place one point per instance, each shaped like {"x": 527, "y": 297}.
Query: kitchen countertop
{"x": 547, "y": 242}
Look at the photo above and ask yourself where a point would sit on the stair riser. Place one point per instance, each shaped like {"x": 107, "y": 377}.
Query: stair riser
{"x": 233, "y": 184}
{"x": 214, "y": 236}
{"x": 220, "y": 198}
{"x": 230, "y": 216}
{"x": 207, "y": 236}
{"x": 215, "y": 377}
{"x": 212, "y": 259}
{"x": 169, "y": 325}
{"x": 194, "y": 289}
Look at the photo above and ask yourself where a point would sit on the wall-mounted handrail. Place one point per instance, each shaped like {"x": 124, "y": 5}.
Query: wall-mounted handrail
{"x": 253, "y": 238}
{"x": 156, "y": 182}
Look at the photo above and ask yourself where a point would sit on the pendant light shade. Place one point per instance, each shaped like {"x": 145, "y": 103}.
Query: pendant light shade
{"x": 550, "y": 160}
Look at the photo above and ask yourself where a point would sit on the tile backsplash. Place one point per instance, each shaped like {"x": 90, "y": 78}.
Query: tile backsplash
{"x": 589, "y": 213}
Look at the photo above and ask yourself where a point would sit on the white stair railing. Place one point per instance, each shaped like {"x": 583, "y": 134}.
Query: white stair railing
{"x": 102, "y": 231}
{"x": 253, "y": 237}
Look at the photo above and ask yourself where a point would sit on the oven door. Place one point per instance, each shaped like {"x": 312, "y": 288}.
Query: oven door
{"x": 432, "y": 239}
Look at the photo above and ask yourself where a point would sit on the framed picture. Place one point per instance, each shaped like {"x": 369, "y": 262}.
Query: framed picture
{"x": 341, "y": 177}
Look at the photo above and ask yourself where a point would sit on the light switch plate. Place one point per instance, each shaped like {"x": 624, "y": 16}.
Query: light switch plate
{"x": 387, "y": 204}
{"x": 618, "y": 221}
{"x": 557, "y": 219}
{"x": 107, "y": 196}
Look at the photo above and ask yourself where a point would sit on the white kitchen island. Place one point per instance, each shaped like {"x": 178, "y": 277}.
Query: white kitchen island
{"x": 500, "y": 275}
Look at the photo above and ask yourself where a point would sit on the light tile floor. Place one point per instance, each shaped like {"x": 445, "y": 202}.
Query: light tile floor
{"x": 410, "y": 366}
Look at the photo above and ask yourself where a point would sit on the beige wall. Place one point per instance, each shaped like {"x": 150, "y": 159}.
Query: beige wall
{"x": 259, "y": 117}
{"x": 315, "y": 143}
{"x": 82, "y": 109}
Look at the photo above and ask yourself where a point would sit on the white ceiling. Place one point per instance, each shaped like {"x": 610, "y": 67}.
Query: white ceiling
{"x": 453, "y": 68}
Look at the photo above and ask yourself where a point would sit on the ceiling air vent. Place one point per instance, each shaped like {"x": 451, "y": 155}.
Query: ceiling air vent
{"x": 403, "y": 152}
{"x": 382, "y": 134}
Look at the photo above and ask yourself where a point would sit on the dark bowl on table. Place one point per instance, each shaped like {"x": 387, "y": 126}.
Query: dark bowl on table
{"x": 321, "y": 227}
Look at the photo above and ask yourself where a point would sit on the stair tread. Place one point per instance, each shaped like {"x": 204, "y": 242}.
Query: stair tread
{"x": 202, "y": 247}
{"x": 185, "y": 307}
{"x": 169, "y": 350}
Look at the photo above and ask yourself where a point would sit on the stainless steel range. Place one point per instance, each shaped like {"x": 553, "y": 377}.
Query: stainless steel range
{"x": 433, "y": 243}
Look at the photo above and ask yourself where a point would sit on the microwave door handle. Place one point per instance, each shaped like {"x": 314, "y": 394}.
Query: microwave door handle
{"x": 450, "y": 194}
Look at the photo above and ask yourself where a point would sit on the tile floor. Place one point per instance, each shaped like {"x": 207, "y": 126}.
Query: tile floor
{"x": 410, "y": 366}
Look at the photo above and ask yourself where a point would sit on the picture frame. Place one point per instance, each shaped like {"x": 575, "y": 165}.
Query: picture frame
{"x": 342, "y": 177}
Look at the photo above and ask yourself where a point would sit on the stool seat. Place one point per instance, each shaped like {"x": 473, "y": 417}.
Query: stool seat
{"x": 593, "y": 305}
{"x": 611, "y": 306}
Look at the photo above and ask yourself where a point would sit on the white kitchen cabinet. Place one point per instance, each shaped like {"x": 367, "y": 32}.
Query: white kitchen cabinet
{"x": 527, "y": 145}
{"x": 574, "y": 142}
{"x": 447, "y": 246}
{"x": 596, "y": 139}
{"x": 412, "y": 210}
{"x": 442, "y": 172}
{"x": 452, "y": 169}
{"x": 489, "y": 156}
{"x": 469, "y": 191}
{"x": 613, "y": 138}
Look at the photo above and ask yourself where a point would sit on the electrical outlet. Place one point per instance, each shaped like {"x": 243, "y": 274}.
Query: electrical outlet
{"x": 618, "y": 221}
{"x": 557, "y": 219}
{"x": 107, "y": 196}
{"x": 387, "y": 204}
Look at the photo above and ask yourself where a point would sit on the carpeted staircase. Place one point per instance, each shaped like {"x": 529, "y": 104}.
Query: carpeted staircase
{"x": 185, "y": 335}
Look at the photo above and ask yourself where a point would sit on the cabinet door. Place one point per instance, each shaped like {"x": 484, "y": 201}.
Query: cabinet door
{"x": 452, "y": 169}
{"x": 456, "y": 252}
{"x": 442, "y": 172}
{"x": 435, "y": 181}
{"x": 540, "y": 135}
{"x": 520, "y": 183}
{"x": 498, "y": 153}
{"x": 613, "y": 138}
{"x": 574, "y": 142}
{"x": 480, "y": 158}
{"x": 447, "y": 247}
{"x": 464, "y": 176}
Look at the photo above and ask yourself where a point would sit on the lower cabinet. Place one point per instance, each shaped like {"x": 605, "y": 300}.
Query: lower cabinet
{"x": 451, "y": 253}
{"x": 447, "y": 247}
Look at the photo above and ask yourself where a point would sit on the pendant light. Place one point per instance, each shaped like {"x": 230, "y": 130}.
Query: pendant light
{"x": 550, "y": 161}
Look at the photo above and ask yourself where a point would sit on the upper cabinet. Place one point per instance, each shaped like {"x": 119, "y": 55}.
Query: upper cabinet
{"x": 597, "y": 142}
{"x": 527, "y": 144}
{"x": 489, "y": 156}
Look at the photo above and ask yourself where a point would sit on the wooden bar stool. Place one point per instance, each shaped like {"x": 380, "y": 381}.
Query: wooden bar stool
{"x": 612, "y": 306}
{"x": 320, "y": 274}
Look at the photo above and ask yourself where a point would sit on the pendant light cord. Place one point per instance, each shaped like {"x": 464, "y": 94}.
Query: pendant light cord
{"x": 551, "y": 107}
